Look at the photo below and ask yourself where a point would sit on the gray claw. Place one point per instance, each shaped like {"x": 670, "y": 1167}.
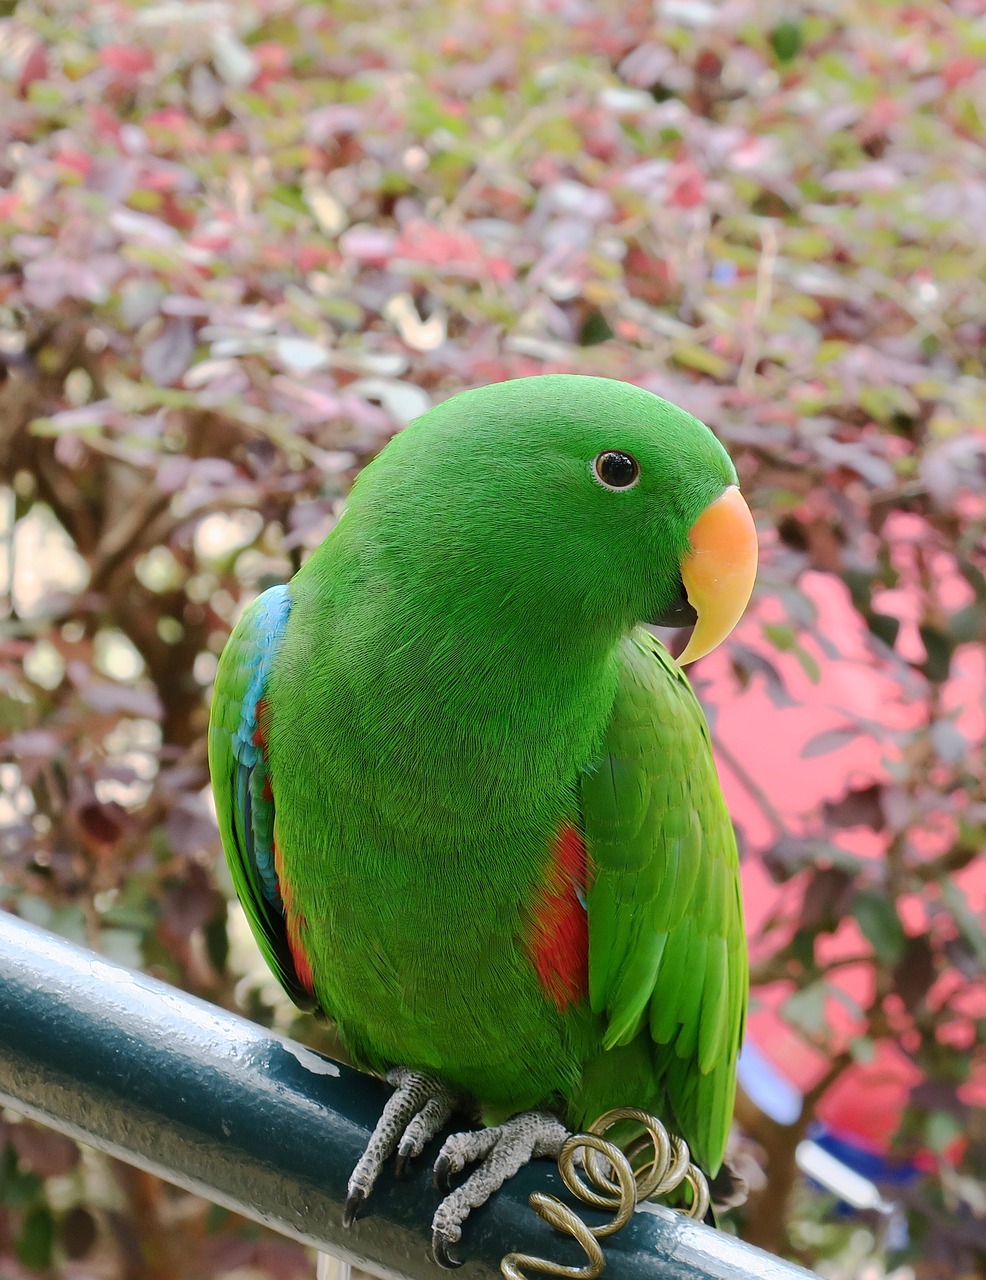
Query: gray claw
{"x": 498, "y": 1152}
{"x": 354, "y": 1202}
{"x": 440, "y": 1176}
{"x": 440, "y": 1245}
{"x": 412, "y": 1116}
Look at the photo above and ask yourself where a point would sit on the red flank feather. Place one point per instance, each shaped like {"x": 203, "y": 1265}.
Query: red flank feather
{"x": 295, "y": 923}
{"x": 559, "y": 942}
{"x": 259, "y": 736}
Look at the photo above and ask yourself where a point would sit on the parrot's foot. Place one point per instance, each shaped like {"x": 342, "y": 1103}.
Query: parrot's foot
{"x": 417, "y": 1110}
{"x": 503, "y": 1150}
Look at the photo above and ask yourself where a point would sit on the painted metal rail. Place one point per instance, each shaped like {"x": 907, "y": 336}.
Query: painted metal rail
{"x": 250, "y": 1120}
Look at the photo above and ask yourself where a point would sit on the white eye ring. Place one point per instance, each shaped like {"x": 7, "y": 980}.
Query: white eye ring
{"x": 616, "y": 470}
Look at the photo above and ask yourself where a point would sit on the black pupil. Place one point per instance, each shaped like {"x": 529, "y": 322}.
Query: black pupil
{"x": 617, "y": 469}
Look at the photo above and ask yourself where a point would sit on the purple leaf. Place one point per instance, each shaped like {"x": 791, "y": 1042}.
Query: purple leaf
{"x": 822, "y": 744}
{"x": 167, "y": 356}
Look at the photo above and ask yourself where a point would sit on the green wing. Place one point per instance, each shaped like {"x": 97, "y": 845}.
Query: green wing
{"x": 667, "y": 948}
{"x": 243, "y": 787}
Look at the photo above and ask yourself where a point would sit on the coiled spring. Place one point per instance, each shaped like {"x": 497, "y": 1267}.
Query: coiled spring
{"x": 599, "y": 1174}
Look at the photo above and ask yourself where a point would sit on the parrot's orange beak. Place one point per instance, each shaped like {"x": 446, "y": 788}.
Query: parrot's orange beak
{"x": 719, "y": 571}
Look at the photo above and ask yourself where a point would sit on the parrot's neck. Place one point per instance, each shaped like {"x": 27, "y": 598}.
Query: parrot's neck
{"x": 480, "y": 714}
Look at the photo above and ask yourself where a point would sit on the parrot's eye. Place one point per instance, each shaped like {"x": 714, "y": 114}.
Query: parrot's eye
{"x": 616, "y": 470}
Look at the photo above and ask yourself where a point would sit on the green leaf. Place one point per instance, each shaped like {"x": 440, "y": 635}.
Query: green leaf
{"x": 780, "y": 635}
{"x": 42, "y": 94}
{"x": 877, "y": 918}
{"x": 966, "y": 919}
{"x": 216, "y": 1219}
{"x": 884, "y": 627}
{"x": 691, "y": 356}
{"x": 967, "y": 624}
{"x": 34, "y": 1244}
{"x": 595, "y": 329}
{"x": 941, "y": 1129}
{"x": 217, "y": 941}
{"x": 808, "y": 664}
{"x": 802, "y": 948}
{"x": 18, "y": 1190}
{"x": 830, "y": 349}
{"x": 806, "y": 1009}
{"x": 786, "y": 40}
{"x": 938, "y": 647}
{"x": 291, "y": 196}
{"x": 885, "y": 402}
{"x": 54, "y": 426}
{"x": 810, "y": 243}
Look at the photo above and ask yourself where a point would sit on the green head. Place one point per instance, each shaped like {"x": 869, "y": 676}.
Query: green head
{"x": 562, "y": 502}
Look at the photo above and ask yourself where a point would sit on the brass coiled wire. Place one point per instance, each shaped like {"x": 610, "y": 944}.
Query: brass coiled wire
{"x": 600, "y": 1174}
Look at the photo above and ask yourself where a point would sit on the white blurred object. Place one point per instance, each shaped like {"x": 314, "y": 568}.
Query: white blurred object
{"x": 329, "y": 1268}
{"x": 838, "y": 1178}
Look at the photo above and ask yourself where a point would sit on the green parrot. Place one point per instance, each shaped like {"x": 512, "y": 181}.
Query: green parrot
{"x": 469, "y": 804}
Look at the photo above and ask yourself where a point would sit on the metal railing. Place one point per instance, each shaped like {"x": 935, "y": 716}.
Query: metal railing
{"x": 256, "y": 1122}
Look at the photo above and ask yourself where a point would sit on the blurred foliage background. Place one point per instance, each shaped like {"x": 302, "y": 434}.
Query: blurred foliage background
{"x": 242, "y": 244}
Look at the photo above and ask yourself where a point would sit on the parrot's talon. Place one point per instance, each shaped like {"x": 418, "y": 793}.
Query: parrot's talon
{"x": 354, "y": 1202}
{"x": 440, "y": 1245}
{"x": 498, "y": 1152}
{"x": 406, "y": 1152}
{"x": 441, "y": 1174}
{"x": 414, "y": 1113}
